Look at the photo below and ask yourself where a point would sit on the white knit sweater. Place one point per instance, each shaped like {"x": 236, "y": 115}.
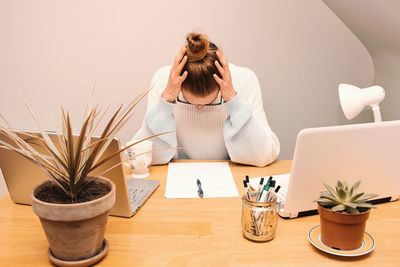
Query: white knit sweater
{"x": 236, "y": 130}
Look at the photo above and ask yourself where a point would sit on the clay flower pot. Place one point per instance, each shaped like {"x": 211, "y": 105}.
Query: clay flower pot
{"x": 75, "y": 232}
{"x": 340, "y": 230}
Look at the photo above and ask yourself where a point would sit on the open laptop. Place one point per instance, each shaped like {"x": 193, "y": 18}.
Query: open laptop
{"x": 21, "y": 177}
{"x": 367, "y": 152}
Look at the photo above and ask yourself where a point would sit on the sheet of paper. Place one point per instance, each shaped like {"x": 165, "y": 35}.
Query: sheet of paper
{"x": 216, "y": 180}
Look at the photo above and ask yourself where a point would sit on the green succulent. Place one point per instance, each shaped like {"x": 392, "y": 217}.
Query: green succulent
{"x": 345, "y": 199}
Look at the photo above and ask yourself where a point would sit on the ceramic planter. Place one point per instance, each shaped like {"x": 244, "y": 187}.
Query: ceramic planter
{"x": 342, "y": 231}
{"x": 75, "y": 232}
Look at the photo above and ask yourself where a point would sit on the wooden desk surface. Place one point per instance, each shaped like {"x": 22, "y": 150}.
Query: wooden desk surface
{"x": 199, "y": 232}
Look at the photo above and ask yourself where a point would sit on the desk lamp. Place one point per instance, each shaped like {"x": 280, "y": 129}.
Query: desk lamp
{"x": 354, "y": 99}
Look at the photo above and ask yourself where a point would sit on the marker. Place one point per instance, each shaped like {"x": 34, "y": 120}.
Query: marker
{"x": 200, "y": 190}
{"x": 272, "y": 183}
{"x": 264, "y": 193}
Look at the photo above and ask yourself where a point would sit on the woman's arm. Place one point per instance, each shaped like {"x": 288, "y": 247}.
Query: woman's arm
{"x": 158, "y": 119}
{"x": 166, "y": 86}
{"x": 248, "y": 137}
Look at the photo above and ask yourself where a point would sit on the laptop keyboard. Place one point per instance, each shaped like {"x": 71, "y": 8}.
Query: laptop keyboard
{"x": 282, "y": 195}
{"x": 139, "y": 190}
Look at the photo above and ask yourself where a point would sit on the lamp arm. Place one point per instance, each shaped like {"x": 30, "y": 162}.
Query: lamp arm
{"x": 377, "y": 113}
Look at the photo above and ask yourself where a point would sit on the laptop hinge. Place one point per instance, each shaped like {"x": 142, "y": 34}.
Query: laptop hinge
{"x": 307, "y": 213}
{"x": 380, "y": 200}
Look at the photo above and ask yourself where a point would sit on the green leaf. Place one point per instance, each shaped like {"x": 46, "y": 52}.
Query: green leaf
{"x": 339, "y": 207}
{"x": 326, "y": 194}
{"x": 366, "y": 205}
{"x": 345, "y": 185}
{"x": 351, "y": 205}
{"x": 342, "y": 194}
{"x": 340, "y": 185}
{"x": 352, "y": 211}
{"x": 324, "y": 200}
{"x": 350, "y": 193}
{"x": 355, "y": 197}
{"x": 333, "y": 199}
{"x": 356, "y": 185}
{"x": 330, "y": 189}
{"x": 366, "y": 197}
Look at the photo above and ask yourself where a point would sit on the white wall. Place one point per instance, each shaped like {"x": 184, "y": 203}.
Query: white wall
{"x": 51, "y": 51}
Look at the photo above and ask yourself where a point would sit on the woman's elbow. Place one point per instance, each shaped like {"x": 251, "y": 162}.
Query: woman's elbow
{"x": 266, "y": 156}
{"x": 267, "y": 160}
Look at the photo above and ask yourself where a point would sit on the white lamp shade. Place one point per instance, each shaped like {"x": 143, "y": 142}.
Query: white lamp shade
{"x": 354, "y": 99}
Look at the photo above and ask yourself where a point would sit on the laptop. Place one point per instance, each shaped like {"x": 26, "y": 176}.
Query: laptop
{"x": 21, "y": 177}
{"x": 367, "y": 152}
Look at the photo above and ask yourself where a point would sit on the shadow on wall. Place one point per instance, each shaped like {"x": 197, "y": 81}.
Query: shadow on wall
{"x": 365, "y": 116}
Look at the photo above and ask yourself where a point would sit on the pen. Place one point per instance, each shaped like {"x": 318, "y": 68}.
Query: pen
{"x": 277, "y": 188}
{"x": 259, "y": 192}
{"x": 247, "y": 189}
{"x": 264, "y": 191}
{"x": 271, "y": 192}
{"x": 200, "y": 190}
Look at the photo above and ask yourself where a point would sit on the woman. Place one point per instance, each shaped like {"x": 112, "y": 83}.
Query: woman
{"x": 213, "y": 109}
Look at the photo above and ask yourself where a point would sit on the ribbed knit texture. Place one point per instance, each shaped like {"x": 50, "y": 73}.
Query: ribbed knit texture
{"x": 236, "y": 130}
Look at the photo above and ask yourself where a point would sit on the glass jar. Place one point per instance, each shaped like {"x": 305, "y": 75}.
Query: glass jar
{"x": 259, "y": 220}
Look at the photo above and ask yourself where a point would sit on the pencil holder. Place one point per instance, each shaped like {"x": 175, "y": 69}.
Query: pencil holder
{"x": 259, "y": 220}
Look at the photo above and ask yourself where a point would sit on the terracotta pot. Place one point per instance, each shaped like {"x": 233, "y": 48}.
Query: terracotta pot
{"x": 75, "y": 231}
{"x": 342, "y": 231}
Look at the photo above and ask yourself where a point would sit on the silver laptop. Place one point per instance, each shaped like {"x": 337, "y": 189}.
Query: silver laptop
{"x": 21, "y": 176}
{"x": 367, "y": 152}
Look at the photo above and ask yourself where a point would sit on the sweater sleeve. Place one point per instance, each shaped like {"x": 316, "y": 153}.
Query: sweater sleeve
{"x": 159, "y": 119}
{"x": 248, "y": 137}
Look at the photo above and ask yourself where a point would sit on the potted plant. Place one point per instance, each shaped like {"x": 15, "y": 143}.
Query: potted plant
{"x": 72, "y": 206}
{"x": 343, "y": 215}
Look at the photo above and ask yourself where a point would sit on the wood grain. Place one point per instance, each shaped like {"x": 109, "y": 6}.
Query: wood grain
{"x": 198, "y": 232}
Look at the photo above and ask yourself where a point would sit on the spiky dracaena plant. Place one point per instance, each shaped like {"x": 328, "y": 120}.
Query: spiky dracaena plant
{"x": 345, "y": 199}
{"x": 68, "y": 161}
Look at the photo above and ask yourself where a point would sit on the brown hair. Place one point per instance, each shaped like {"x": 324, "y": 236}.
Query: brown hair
{"x": 200, "y": 66}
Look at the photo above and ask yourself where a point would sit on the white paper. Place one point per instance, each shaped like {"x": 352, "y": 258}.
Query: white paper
{"x": 216, "y": 180}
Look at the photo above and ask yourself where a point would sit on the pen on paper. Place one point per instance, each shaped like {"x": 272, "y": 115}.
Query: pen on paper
{"x": 200, "y": 190}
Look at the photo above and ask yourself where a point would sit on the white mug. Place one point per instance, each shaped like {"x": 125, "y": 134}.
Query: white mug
{"x": 139, "y": 158}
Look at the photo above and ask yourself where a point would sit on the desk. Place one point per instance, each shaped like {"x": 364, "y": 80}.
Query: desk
{"x": 199, "y": 232}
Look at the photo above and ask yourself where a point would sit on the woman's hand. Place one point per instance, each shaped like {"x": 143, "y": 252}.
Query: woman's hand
{"x": 175, "y": 80}
{"x": 225, "y": 84}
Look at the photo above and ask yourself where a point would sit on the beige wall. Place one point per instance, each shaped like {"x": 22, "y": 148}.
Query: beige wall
{"x": 377, "y": 25}
{"x": 51, "y": 51}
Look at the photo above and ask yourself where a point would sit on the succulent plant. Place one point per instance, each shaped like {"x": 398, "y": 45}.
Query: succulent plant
{"x": 345, "y": 199}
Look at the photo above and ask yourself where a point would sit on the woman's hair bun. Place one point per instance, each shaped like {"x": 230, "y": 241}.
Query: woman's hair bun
{"x": 197, "y": 46}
